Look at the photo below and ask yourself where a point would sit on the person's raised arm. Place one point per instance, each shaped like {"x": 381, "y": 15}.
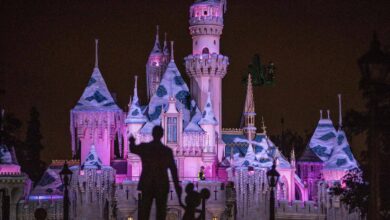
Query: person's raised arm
{"x": 133, "y": 148}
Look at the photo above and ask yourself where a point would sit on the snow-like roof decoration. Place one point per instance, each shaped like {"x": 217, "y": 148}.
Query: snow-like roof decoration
{"x": 6, "y": 156}
{"x": 342, "y": 157}
{"x": 208, "y": 117}
{"x": 323, "y": 139}
{"x": 172, "y": 84}
{"x": 96, "y": 95}
{"x": 92, "y": 160}
{"x": 257, "y": 153}
{"x": 135, "y": 114}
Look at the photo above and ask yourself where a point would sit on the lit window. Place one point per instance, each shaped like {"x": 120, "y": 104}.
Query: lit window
{"x": 172, "y": 129}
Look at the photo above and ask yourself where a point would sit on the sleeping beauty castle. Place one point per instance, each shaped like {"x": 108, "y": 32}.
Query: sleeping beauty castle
{"x": 235, "y": 161}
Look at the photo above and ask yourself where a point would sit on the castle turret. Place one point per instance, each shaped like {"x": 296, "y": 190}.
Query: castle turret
{"x": 135, "y": 118}
{"x": 208, "y": 123}
{"x": 206, "y": 66}
{"x": 96, "y": 119}
{"x": 249, "y": 112}
{"x": 156, "y": 65}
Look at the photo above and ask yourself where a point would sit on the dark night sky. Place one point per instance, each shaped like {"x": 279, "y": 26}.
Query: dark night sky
{"x": 47, "y": 55}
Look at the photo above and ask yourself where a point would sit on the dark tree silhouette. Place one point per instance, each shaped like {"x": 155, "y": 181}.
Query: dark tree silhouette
{"x": 34, "y": 166}
{"x": 375, "y": 123}
{"x": 261, "y": 74}
{"x": 288, "y": 140}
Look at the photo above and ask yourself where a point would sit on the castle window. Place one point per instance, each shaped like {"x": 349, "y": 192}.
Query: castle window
{"x": 215, "y": 42}
{"x": 205, "y": 50}
{"x": 172, "y": 129}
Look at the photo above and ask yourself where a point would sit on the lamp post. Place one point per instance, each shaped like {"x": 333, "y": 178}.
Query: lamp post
{"x": 375, "y": 83}
{"x": 66, "y": 178}
{"x": 273, "y": 178}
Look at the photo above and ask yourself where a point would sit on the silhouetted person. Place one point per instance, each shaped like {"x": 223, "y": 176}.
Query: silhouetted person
{"x": 40, "y": 214}
{"x": 154, "y": 182}
{"x": 192, "y": 200}
{"x": 201, "y": 175}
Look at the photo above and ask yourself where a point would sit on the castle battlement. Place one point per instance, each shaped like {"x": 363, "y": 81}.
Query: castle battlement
{"x": 206, "y": 64}
{"x": 207, "y": 20}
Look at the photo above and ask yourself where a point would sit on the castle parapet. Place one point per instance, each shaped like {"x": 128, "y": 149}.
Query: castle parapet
{"x": 209, "y": 20}
{"x": 206, "y": 64}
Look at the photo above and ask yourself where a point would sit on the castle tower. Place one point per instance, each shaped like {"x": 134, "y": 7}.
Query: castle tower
{"x": 206, "y": 66}
{"x": 156, "y": 65}
{"x": 96, "y": 119}
{"x": 249, "y": 111}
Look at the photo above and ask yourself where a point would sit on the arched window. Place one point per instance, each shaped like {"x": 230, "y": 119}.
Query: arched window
{"x": 205, "y": 50}
{"x": 172, "y": 129}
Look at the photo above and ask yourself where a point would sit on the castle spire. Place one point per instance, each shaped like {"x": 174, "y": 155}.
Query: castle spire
{"x": 135, "y": 87}
{"x": 165, "y": 48}
{"x": 263, "y": 127}
{"x": 249, "y": 102}
{"x": 328, "y": 112}
{"x": 96, "y": 53}
{"x": 172, "y": 52}
{"x": 249, "y": 111}
{"x": 157, "y": 47}
{"x": 340, "y": 113}
{"x": 321, "y": 114}
{"x": 135, "y": 114}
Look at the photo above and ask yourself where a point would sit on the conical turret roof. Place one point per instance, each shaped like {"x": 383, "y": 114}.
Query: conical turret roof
{"x": 96, "y": 95}
{"x": 323, "y": 139}
{"x": 342, "y": 157}
{"x": 92, "y": 160}
{"x": 172, "y": 85}
{"x": 135, "y": 114}
{"x": 208, "y": 116}
{"x": 156, "y": 47}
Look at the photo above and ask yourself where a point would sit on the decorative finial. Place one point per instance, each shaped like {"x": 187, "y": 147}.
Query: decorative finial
{"x": 96, "y": 53}
{"x": 129, "y": 105}
{"x": 135, "y": 87}
{"x": 321, "y": 114}
{"x": 263, "y": 125}
{"x": 340, "y": 113}
{"x": 157, "y": 32}
{"x": 293, "y": 153}
{"x": 165, "y": 38}
{"x": 328, "y": 112}
{"x": 172, "y": 51}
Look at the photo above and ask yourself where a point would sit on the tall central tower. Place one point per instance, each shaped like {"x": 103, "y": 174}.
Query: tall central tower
{"x": 206, "y": 66}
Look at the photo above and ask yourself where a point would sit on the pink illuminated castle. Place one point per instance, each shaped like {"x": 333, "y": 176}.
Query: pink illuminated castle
{"x": 106, "y": 174}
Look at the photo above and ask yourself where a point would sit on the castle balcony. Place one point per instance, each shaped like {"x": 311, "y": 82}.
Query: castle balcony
{"x": 206, "y": 65}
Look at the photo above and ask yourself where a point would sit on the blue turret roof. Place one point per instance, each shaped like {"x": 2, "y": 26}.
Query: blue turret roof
{"x": 172, "y": 84}
{"x": 342, "y": 157}
{"x": 208, "y": 117}
{"x": 323, "y": 139}
{"x": 135, "y": 114}
{"x": 92, "y": 160}
{"x": 96, "y": 96}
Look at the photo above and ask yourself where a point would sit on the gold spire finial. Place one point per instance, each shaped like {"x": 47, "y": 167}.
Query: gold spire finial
{"x": 263, "y": 125}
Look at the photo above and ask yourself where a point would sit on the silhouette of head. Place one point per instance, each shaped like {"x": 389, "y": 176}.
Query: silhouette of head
{"x": 157, "y": 132}
{"x": 190, "y": 188}
{"x": 40, "y": 214}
